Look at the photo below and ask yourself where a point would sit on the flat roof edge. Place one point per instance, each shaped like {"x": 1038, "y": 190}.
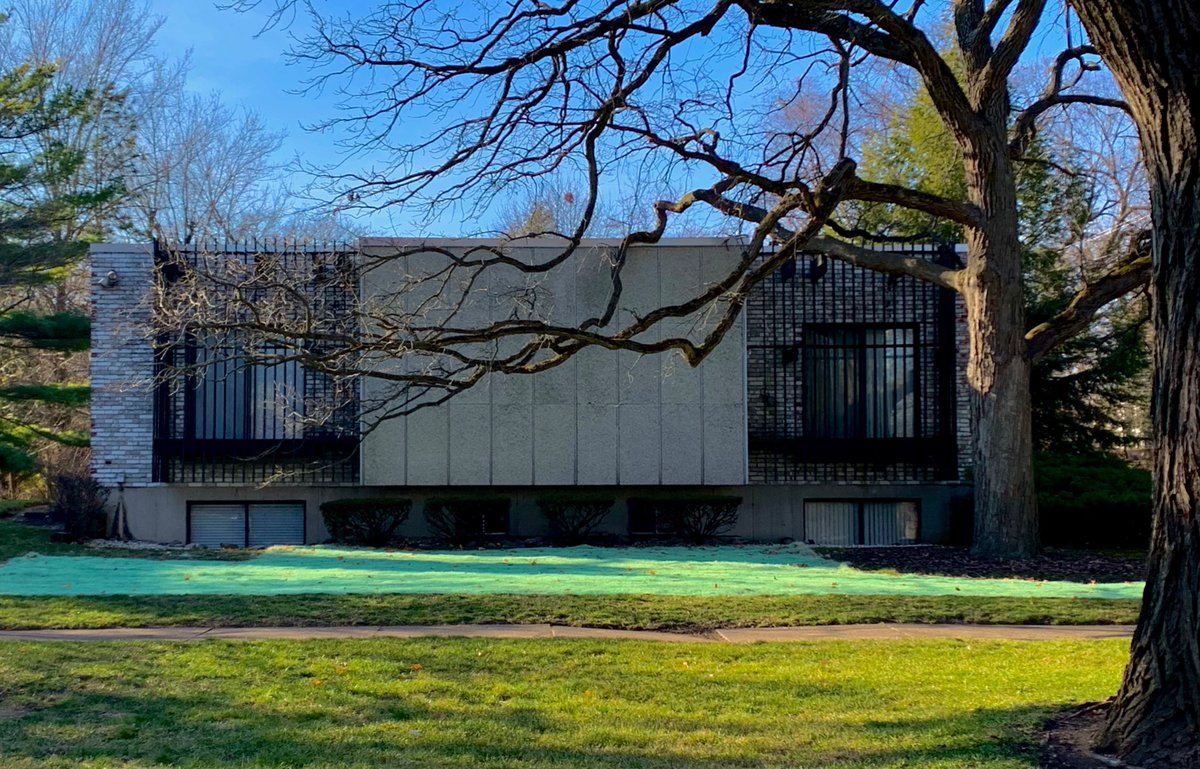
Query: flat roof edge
{"x": 544, "y": 242}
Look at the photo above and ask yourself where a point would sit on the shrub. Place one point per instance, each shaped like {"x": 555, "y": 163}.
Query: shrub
{"x": 78, "y": 501}
{"x": 365, "y": 521}
{"x": 697, "y": 519}
{"x": 1092, "y": 500}
{"x": 573, "y": 517}
{"x": 463, "y": 519}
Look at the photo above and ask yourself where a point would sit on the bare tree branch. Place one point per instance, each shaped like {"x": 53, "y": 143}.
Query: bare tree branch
{"x": 1024, "y": 125}
{"x": 1130, "y": 273}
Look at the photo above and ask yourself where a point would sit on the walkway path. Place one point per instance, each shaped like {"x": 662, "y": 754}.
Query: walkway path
{"x": 732, "y": 635}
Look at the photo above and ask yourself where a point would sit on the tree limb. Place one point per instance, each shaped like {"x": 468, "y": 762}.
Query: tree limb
{"x": 1025, "y": 124}
{"x": 965, "y": 214}
{"x": 890, "y": 262}
{"x": 1130, "y": 273}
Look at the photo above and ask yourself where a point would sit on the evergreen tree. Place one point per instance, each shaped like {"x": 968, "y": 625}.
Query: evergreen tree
{"x": 35, "y": 208}
{"x": 1086, "y": 393}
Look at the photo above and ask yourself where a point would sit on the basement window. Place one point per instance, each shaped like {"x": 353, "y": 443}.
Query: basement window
{"x": 245, "y": 524}
{"x": 861, "y": 522}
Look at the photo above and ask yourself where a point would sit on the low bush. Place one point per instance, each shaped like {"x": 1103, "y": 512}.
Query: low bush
{"x": 697, "y": 519}
{"x": 370, "y": 522}
{"x": 464, "y": 519}
{"x": 573, "y": 517}
{"x": 1092, "y": 501}
{"x": 78, "y": 502}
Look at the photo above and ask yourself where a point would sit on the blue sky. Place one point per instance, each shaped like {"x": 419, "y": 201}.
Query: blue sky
{"x": 233, "y": 55}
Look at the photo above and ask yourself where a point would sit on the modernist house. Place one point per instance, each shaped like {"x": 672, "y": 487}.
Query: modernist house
{"x": 835, "y": 408}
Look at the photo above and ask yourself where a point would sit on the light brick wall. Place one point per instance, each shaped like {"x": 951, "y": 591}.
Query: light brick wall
{"x": 122, "y": 365}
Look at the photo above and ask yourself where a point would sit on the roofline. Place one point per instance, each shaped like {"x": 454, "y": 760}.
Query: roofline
{"x": 543, "y": 242}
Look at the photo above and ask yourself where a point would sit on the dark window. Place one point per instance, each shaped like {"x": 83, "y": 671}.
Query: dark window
{"x": 233, "y": 399}
{"x": 644, "y": 518}
{"x": 860, "y": 382}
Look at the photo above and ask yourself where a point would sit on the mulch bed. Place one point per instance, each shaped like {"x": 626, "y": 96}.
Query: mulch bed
{"x": 1058, "y": 565}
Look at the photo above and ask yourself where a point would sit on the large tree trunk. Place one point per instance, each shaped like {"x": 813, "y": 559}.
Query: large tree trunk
{"x": 1153, "y": 48}
{"x": 1006, "y": 522}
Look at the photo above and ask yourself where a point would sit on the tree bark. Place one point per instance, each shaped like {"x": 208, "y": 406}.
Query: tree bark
{"x": 998, "y": 370}
{"x": 1153, "y": 48}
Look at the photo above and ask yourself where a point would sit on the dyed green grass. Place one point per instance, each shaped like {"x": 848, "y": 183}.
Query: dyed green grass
{"x": 17, "y": 539}
{"x": 717, "y": 571}
{"x": 477, "y": 703}
{"x": 679, "y": 613}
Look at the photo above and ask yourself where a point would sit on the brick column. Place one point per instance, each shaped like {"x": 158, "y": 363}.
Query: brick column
{"x": 122, "y": 365}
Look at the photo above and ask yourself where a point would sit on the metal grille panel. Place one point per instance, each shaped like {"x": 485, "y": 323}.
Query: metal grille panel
{"x": 851, "y": 375}
{"x": 217, "y": 525}
{"x": 831, "y": 523}
{"x": 221, "y": 417}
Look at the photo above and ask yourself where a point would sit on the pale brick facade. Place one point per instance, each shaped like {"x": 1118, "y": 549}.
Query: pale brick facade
{"x": 122, "y": 363}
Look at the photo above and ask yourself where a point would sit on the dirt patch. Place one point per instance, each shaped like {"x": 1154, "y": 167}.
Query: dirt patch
{"x": 1059, "y": 565}
{"x": 1069, "y": 739}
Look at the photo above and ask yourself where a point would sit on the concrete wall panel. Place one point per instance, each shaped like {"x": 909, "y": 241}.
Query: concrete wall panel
{"x": 428, "y": 441}
{"x": 529, "y": 421}
{"x": 512, "y": 444}
{"x": 724, "y": 444}
{"x": 554, "y": 443}
{"x": 470, "y": 443}
{"x": 597, "y": 440}
{"x": 682, "y": 454}
{"x": 640, "y": 448}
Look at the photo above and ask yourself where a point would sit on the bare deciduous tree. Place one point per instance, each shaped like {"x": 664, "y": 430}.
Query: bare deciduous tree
{"x": 205, "y": 172}
{"x": 667, "y": 90}
{"x": 1151, "y": 46}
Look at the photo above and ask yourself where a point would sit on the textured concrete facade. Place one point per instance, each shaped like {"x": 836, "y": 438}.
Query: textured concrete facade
{"x": 604, "y": 417}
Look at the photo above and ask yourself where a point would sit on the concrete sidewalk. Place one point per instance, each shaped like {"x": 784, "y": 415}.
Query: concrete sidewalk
{"x": 731, "y": 635}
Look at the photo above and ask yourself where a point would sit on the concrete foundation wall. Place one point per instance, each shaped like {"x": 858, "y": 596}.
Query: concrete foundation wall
{"x": 768, "y": 513}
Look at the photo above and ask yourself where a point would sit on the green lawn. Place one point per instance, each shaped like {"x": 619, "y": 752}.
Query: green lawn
{"x": 461, "y": 702}
{"x": 680, "y": 613}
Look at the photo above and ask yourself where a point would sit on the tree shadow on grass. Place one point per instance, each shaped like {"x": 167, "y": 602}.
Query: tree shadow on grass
{"x": 317, "y": 722}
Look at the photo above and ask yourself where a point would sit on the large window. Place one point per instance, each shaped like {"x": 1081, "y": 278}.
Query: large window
{"x": 235, "y": 400}
{"x": 860, "y": 381}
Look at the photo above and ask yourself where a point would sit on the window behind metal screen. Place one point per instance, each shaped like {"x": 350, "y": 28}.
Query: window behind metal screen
{"x": 831, "y": 522}
{"x": 858, "y": 522}
{"x": 276, "y": 524}
{"x": 215, "y": 525}
{"x": 860, "y": 382}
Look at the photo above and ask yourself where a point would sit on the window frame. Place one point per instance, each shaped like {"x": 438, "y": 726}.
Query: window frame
{"x": 245, "y": 505}
{"x": 812, "y": 427}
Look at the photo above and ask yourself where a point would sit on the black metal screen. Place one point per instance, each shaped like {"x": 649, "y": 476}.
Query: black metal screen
{"x": 224, "y": 415}
{"x": 851, "y": 375}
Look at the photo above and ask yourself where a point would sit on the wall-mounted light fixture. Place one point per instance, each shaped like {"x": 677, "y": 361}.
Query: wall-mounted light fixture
{"x": 110, "y": 279}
